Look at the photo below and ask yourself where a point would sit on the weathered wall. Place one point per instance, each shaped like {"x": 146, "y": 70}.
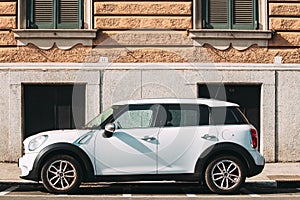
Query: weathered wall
{"x": 288, "y": 139}
{"x": 4, "y": 113}
{"x": 279, "y": 97}
{"x": 11, "y": 108}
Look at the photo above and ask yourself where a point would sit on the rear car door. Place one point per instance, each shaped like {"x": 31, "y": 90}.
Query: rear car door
{"x": 183, "y": 136}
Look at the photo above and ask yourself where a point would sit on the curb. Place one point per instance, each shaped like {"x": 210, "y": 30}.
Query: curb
{"x": 263, "y": 183}
{"x": 274, "y": 184}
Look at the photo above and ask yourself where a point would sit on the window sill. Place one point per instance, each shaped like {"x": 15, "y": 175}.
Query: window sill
{"x": 62, "y": 38}
{"x": 223, "y": 39}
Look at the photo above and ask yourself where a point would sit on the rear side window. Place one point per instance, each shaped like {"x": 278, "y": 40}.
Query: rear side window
{"x": 227, "y": 115}
{"x": 179, "y": 115}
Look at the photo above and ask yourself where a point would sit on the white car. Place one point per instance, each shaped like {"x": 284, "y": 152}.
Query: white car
{"x": 203, "y": 140}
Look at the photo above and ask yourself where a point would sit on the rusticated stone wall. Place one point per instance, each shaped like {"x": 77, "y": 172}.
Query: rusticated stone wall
{"x": 284, "y": 19}
{"x": 8, "y": 12}
{"x": 149, "y": 14}
{"x": 33, "y": 54}
{"x": 114, "y": 18}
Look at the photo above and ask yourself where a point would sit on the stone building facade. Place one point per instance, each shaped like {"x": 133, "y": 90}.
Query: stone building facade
{"x": 59, "y": 69}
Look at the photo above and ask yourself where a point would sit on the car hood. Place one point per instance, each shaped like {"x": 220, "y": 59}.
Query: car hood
{"x": 60, "y": 136}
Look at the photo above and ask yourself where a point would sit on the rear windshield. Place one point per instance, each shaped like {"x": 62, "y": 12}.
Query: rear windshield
{"x": 227, "y": 115}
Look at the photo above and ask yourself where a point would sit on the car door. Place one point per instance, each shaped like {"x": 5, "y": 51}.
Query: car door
{"x": 183, "y": 137}
{"x": 133, "y": 145}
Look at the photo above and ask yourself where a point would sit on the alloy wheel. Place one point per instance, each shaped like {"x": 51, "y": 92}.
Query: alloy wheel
{"x": 61, "y": 175}
{"x": 226, "y": 174}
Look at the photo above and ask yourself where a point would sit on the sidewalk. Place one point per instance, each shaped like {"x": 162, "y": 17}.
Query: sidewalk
{"x": 272, "y": 172}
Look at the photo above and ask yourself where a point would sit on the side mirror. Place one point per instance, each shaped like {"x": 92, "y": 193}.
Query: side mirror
{"x": 109, "y": 130}
{"x": 110, "y": 127}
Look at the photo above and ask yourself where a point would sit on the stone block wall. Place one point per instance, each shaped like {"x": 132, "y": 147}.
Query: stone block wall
{"x": 144, "y": 14}
{"x": 8, "y": 13}
{"x": 284, "y": 19}
{"x": 115, "y": 18}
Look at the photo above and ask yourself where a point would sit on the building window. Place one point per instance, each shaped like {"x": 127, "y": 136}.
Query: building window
{"x": 54, "y": 14}
{"x": 229, "y": 14}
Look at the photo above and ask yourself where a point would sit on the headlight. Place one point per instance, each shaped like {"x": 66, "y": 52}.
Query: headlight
{"x": 37, "y": 142}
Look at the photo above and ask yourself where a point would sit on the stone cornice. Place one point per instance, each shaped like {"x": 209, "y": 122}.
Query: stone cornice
{"x": 62, "y": 38}
{"x": 223, "y": 39}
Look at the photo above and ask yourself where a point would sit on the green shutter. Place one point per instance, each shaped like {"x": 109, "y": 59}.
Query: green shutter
{"x": 69, "y": 14}
{"x": 52, "y": 14}
{"x": 243, "y": 14}
{"x": 229, "y": 14}
{"x": 43, "y": 14}
{"x": 218, "y": 13}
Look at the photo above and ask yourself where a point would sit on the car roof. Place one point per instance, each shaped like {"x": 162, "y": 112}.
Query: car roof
{"x": 202, "y": 101}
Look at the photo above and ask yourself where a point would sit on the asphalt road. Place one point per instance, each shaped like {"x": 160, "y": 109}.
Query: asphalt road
{"x": 157, "y": 191}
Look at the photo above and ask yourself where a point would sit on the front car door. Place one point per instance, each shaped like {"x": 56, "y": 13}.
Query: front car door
{"x": 132, "y": 148}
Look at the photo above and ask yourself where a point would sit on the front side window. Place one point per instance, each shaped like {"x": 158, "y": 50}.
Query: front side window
{"x": 136, "y": 116}
{"x": 229, "y": 14}
{"x": 54, "y": 14}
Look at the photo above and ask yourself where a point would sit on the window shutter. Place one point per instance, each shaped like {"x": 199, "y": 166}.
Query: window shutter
{"x": 243, "y": 12}
{"x": 69, "y": 14}
{"x": 217, "y": 14}
{"x": 43, "y": 14}
{"x": 218, "y": 11}
{"x": 230, "y": 14}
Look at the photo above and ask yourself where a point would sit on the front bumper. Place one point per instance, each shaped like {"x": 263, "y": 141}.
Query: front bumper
{"x": 26, "y": 164}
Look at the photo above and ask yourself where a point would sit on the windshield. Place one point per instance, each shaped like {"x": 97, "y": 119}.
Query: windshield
{"x": 97, "y": 121}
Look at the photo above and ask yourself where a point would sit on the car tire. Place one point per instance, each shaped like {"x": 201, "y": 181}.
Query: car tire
{"x": 61, "y": 174}
{"x": 225, "y": 174}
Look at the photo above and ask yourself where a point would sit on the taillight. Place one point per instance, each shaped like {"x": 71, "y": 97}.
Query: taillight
{"x": 254, "y": 137}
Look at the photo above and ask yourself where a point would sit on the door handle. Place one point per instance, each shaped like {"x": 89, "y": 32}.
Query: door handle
{"x": 209, "y": 137}
{"x": 148, "y": 138}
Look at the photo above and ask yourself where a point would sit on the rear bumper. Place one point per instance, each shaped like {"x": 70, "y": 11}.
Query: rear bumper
{"x": 256, "y": 165}
{"x": 254, "y": 170}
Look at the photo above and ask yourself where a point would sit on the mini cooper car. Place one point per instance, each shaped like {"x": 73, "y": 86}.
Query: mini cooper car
{"x": 202, "y": 140}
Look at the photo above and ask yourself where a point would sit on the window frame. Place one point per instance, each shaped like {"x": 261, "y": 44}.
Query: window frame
{"x": 87, "y": 15}
{"x": 61, "y": 38}
{"x": 223, "y": 39}
{"x": 262, "y": 15}
{"x": 30, "y": 20}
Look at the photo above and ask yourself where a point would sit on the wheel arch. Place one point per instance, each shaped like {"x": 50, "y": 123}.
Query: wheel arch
{"x": 222, "y": 149}
{"x": 64, "y": 149}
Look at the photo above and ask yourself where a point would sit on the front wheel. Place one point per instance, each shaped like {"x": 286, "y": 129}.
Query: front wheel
{"x": 225, "y": 175}
{"x": 61, "y": 174}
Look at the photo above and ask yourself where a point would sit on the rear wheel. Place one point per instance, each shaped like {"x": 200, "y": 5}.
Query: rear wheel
{"x": 61, "y": 174}
{"x": 225, "y": 174}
